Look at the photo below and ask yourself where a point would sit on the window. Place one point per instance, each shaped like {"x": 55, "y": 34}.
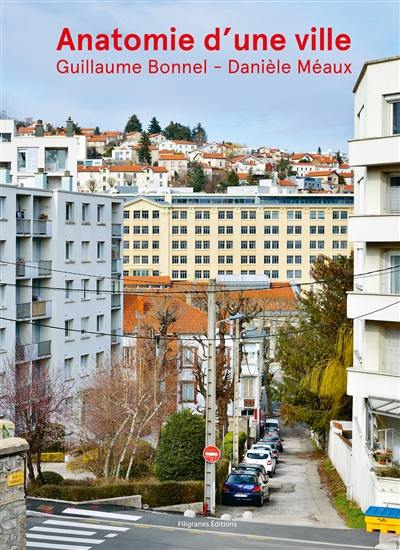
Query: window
{"x": 84, "y": 326}
{"x": 294, "y": 229}
{"x": 145, "y": 214}
{"x": 156, "y": 215}
{"x": 343, "y": 244}
{"x": 156, "y": 230}
{"x": 100, "y": 213}
{"x": 187, "y": 392}
{"x": 68, "y": 364}
{"x": 156, "y": 259}
{"x": 55, "y": 160}
{"x": 317, "y": 215}
{"x": 85, "y": 251}
{"x": 68, "y": 329}
{"x": 27, "y": 159}
{"x": 85, "y": 288}
{"x": 126, "y": 214}
{"x": 84, "y": 362}
{"x": 100, "y": 250}
{"x": 2, "y": 208}
{"x": 197, "y": 274}
{"x": 396, "y": 117}
{"x": 221, "y": 259}
{"x": 99, "y": 323}
{"x": 271, "y": 229}
{"x": 136, "y": 214}
{"x": 145, "y": 230}
{"x": 394, "y": 194}
{"x": 69, "y": 211}
{"x": 271, "y": 244}
{"x": 126, "y": 229}
{"x": 229, "y": 260}
{"x": 271, "y": 214}
{"x": 321, "y": 244}
{"x": 313, "y": 259}
{"x": 313, "y": 244}
{"x": 99, "y": 359}
{"x": 394, "y": 273}
{"x": 85, "y": 212}
{"x": 68, "y": 289}
{"x": 247, "y": 386}
{"x": 243, "y": 244}
{"x": 272, "y": 274}
{"x": 221, "y": 215}
{"x": 155, "y": 245}
{"x": 294, "y": 215}
{"x": 289, "y": 259}
{"x": 175, "y": 274}
{"x": 145, "y": 245}
{"x": 198, "y": 215}
{"x": 68, "y": 250}
{"x": 145, "y": 259}
{"x": 335, "y": 244}
{"x": 183, "y": 274}
{"x": 99, "y": 286}
{"x": 339, "y": 214}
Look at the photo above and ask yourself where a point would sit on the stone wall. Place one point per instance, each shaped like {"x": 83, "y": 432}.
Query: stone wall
{"x": 12, "y": 494}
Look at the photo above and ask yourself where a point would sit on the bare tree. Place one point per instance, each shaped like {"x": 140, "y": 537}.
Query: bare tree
{"x": 36, "y": 402}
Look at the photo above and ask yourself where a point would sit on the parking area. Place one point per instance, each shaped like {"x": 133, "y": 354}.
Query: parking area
{"x": 297, "y": 497}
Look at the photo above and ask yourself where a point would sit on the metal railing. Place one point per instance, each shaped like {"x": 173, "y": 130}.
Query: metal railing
{"x": 116, "y": 230}
{"x": 34, "y": 310}
{"x": 116, "y": 265}
{"x": 41, "y": 228}
{"x": 115, "y": 300}
{"x": 114, "y": 336}
{"x": 32, "y": 352}
{"x": 32, "y": 270}
{"x": 23, "y": 226}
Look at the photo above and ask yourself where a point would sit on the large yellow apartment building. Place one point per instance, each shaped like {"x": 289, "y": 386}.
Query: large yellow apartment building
{"x": 200, "y": 236}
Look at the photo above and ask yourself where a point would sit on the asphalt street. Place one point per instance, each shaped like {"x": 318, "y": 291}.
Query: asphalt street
{"x": 88, "y": 527}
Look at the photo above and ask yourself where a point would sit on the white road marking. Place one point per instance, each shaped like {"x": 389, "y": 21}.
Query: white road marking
{"x": 63, "y": 531}
{"x": 98, "y": 514}
{"x": 62, "y": 539}
{"x": 86, "y": 525}
{"x": 111, "y": 535}
{"x": 43, "y": 545}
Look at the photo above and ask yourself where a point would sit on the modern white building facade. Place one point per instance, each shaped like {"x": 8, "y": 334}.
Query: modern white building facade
{"x": 374, "y": 304}
{"x": 60, "y": 279}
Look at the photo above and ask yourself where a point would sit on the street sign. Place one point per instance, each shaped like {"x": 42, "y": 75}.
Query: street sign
{"x": 211, "y": 454}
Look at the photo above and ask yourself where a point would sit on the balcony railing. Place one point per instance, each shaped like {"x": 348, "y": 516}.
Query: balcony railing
{"x": 23, "y": 226}
{"x": 35, "y": 310}
{"x": 33, "y": 270}
{"x": 115, "y": 336}
{"x": 115, "y": 300}
{"x": 115, "y": 265}
{"x": 41, "y": 228}
{"x": 32, "y": 352}
{"x": 116, "y": 230}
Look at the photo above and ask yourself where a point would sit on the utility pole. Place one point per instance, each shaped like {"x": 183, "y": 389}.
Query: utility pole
{"x": 236, "y": 373}
{"x": 209, "y": 468}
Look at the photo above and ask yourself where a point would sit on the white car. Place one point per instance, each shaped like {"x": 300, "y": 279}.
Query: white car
{"x": 272, "y": 424}
{"x": 263, "y": 457}
{"x": 268, "y": 447}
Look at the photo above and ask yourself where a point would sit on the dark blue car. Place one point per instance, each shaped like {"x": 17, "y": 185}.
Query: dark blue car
{"x": 245, "y": 487}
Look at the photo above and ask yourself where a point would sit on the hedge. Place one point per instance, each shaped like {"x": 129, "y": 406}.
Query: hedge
{"x": 165, "y": 493}
{"x": 52, "y": 457}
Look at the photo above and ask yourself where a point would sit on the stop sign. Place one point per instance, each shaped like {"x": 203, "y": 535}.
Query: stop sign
{"x": 211, "y": 453}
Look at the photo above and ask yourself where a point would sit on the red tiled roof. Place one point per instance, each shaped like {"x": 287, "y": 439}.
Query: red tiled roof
{"x": 172, "y": 156}
{"x": 287, "y": 183}
{"x": 213, "y": 156}
{"x": 89, "y": 168}
{"x": 136, "y": 168}
{"x": 182, "y": 142}
{"x": 321, "y": 173}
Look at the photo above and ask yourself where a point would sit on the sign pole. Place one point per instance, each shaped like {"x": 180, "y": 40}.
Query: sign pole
{"x": 209, "y": 467}
{"x": 236, "y": 367}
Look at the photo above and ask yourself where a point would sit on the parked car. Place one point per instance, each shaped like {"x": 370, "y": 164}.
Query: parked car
{"x": 263, "y": 457}
{"x": 274, "y": 438}
{"x": 242, "y": 486}
{"x": 258, "y": 468}
{"x": 269, "y": 447}
{"x": 271, "y": 423}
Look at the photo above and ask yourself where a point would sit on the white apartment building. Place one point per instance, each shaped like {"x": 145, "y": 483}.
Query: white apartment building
{"x": 60, "y": 267}
{"x": 374, "y": 304}
{"x": 106, "y": 179}
{"x": 178, "y": 145}
{"x": 25, "y": 155}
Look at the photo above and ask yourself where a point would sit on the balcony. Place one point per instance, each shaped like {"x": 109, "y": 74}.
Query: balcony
{"x": 41, "y": 228}
{"x": 40, "y": 309}
{"x": 374, "y": 151}
{"x": 364, "y": 383}
{"x": 23, "y": 227}
{"x": 115, "y": 336}
{"x": 366, "y": 305}
{"x": 115, "y": 301}
{"x": 33, "y": 270}
{"x": 116, "y": 265}
{"x": 375, "y": 229}
{"x": 33, "y": 352}
{"x": 116, "y": 230}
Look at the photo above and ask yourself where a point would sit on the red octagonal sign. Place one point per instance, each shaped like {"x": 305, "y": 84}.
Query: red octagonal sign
{"x": 211, "y": 453}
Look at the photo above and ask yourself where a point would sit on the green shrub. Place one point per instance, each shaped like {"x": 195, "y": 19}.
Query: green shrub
{"x": 179, "y": 454}
{"x": 143, "y": 461}
{"x": 154, "y": 493}
{"x": 51, "y": 478}
{"x": 52, "y": 457}
{"x": 388, "y": 471}
{"x": 228, "y": 445}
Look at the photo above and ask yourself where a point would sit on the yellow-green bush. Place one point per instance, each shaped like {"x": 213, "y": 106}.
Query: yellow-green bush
{"x": 52, "y": 457}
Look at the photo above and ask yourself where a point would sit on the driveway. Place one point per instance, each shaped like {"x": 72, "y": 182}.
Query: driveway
{"x": 297, "y": 497}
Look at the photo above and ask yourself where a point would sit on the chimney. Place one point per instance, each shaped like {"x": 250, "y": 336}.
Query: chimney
{"x": 41, "y": 179}
{"x": 66, "y": 181}
{"x": 70, "y": 127}
{"x": 39, "y": 129}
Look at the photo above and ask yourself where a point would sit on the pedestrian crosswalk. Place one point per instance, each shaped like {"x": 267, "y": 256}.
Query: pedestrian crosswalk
{"x": 74, "y": 533}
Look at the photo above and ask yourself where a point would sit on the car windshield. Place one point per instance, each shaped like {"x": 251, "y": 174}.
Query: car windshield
{"x": 260, "y": 456}
{"x": 241, "y": 478}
